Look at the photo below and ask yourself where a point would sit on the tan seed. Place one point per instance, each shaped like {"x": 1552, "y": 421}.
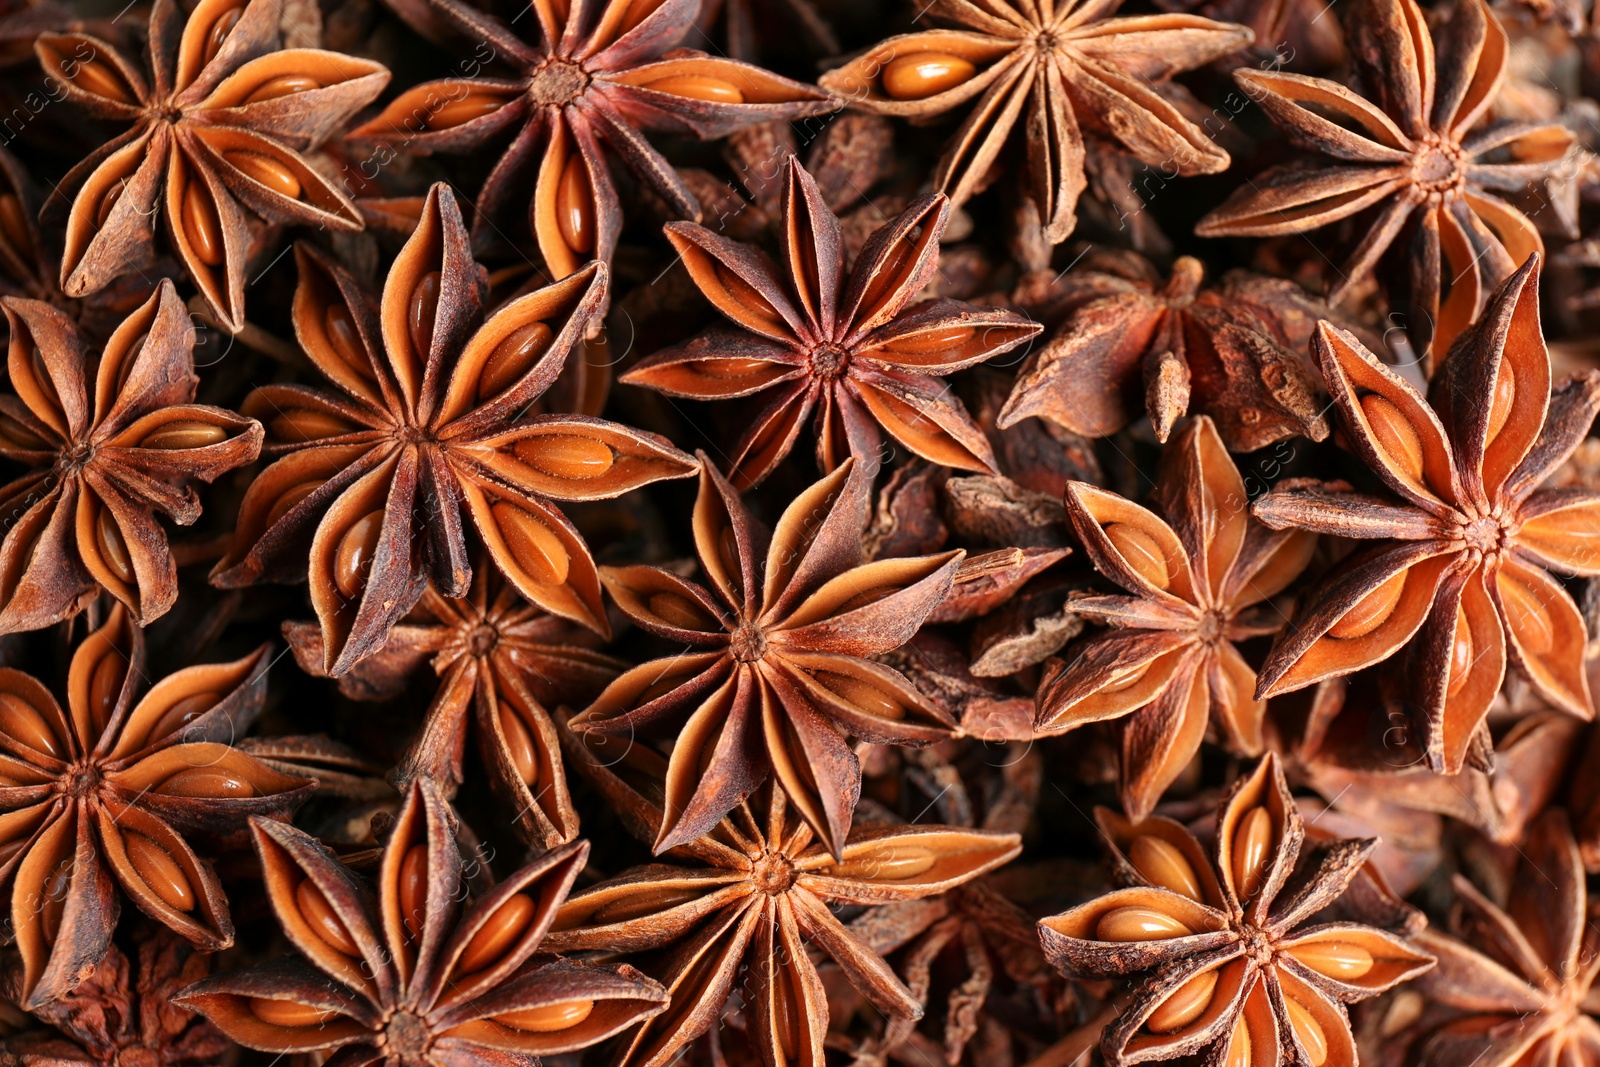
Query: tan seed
{"x": 551, "y": 1017}
{"x": 105, "y": 686}
{"x": 185, "y": 433}
{"x": 201, "y": 226}
{"x": 1239, "y": 1049}
{"x": 1308, "y": 1030}
{"x": 1252, "y": 848}
{"x": 452, "y": 113}
{"x": 1460, "y": 656}
{"x": 52, "y": 900}
{"x": 512, "y": 358}
{"x": 1372, "y": 612}
{"x": 533, "y": 544}
{"x": 519, "y": 744}
{"x": 340, "y": 329}
{"x": 1396, "y": 437}
{"x": 298, "y": 425}
{"x": 356, "y": 549}
{"x": 218, "y": 34}
{"x": 755, "y": 306}
{"x": 414, "y": 889}
{"x": 1527, "y": 616}
{"x": 320, "y": 916}
{"x": 499, "y": 934}
{"x": 1127, "y": 681}
{"x": 207, "y": 783}
{"x": 924, "y": 74}
{"x": 566, "y": 456}
{"x": 281, "y": 86}
{"x": 1162, "y": 864}
{"x": 158, "y": 870}
{"x": 950, "y": 340}
{"x": 674, "y": 609}
{"x": 1137, "y": 923}
{"x": 893, "y": 864}
{"x": 108, "y": 200}
{"x": 575, "y": 207}
{"x": 1505, "y": 396}
{"x": 287, "y": 1013}
{"x": 699, "y": 87}
{"x": 1185, "y": 1004}
{"x": 1339, "y": 960}
{"x": 1141, "y": 551}
{"x": 424, "y": 309}
{"x": 267, "y": 171}
{"x": 291, "y": 496}
{"x": 113, "y": 549}
{"x": 646, "y": 902}
{"x": 183, "y": 713}
{"x": 864, "y": 696}
{"x": 23, "y": 722}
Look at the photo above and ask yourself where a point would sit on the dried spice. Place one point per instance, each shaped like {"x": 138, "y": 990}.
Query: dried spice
{"x": 220, "y": 121}
{"x": 103, "y": 795}
{"x": 1463, "y": 557}
{"x": 1197, "y": 582}
{"x": 376, "y": 480}
{"x": 419, "y": 975}
{"x": 1413, "y": 150}
{"x": 1227, "y": 963}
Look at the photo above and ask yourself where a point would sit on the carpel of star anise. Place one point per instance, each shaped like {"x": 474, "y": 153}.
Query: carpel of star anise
{"x": 1227, "y": 959}
{"x": 1196, "y": 581}
{"x": 1057, "y": 70}
{"x": 109, "y": 440}
{"x": 776, "y": 676}
{"x": 102, "y": 794}
{"x": 1415, "y": 153}
{"x": 1462, "y": 560}
{"x": 423, "y": 973}
{"x": 847, "y": 346}
{"x": 220, "y": 117}
{"x": 581, "y": 93}
{"x": 431, "y": 428}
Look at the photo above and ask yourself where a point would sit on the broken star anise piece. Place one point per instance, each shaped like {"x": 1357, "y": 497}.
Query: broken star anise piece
{"x": 1462, "y": 558}
{"x": 1167, "y": 665}
{"x": 103, "y": 793}
{"x": 1414, "y": 154}
{"x": 1229, "y": 964}
{"x": 577, "y": 102}
{"x": 109, "y": 440}
{"x": 432, "y": 424}
{"x": 425, "y": 975}
{"x": 219, "y": 119}
{"x": 1052, "y": 72}
{"x": 846, "y": 346}
{"x": 776, "y": 677}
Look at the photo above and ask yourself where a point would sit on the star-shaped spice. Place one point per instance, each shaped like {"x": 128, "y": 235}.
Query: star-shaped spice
{"x": 426, "y": 974}
{"x": 1230, "y": 963}
{"x": 776, "y": 677}
{"x": 220, "y": 118}
{"x": 845, "y": 346}
{"x": 1196, "y": 582}
{"x": 1520, "y": 978}
{"x": 503, "y": 663}
{"x": 108, "y": 440}
{"x": 1052, "y": 73}
{"x": 577, "y": 101}
{"x": 1464, "y": 554}
{"x": 1410, "y": 151}
{"x": 101, "y": 795}
{"x": 432, "y": 423}
{"x": 751, "y": 898}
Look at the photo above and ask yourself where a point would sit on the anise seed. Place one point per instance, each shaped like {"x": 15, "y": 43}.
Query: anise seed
{"x": 575, "y": 215}
{"x": 281, "y": 86}
{"x": 413, "y": 889}
{"x": 1392, "y": 430}
{"x": 185, "y": 433}
{"x": 207, "y": 783}
{"x": 924, "y": 74}
{"x": 533, "y": 544}
{"x": 421, "y": 313}
{"x": 267, "y": 171}
{"x": 288, "y": 1013}
{"x": 160, "y": 872}
{"x": 888, "y": 865}
{"x": 519, "y": 744}
{"x": 550, "y": 1018}
{"x": 1161, "y": 864}
{"x": 25, "y": 723}
{"x": 499, "y": 932}
{"x": 1185, "y": 1004}
{"x": 201, "y": 225}
{"x": 1135, "y": 923}
{"x": 566, "y": 456}
{"x": 1252, "y": 848}
{"x": 863, "y": 696}
{"x": 1308, "y": 1030}
{"x": 699, "y": 87}
{"x": 320, "y": 916}
{"x": 353, "y": 560}
{"x": 512, "y": 358}
{"x": 1340, "y": 960}
{"x": 1371, "y": 612}
{"x": 1141, "y": 551}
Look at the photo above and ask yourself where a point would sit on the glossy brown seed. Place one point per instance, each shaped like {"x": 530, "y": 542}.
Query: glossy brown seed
{"x": 288, "y": 1013}
{"x": 1252, "y": 847}
{"x": 754, "y": 305}
{"x": 201, "y": 226}
{"x": 299, "y": 425}
{"x": 422, "y": 312}
{"x": 646, "y": 902}
{"x": 452, "y": 113}
{"x": 551, "y": 1017}
{"x": 158, "y": 870}
{"x": 534, "y": 545}
{"x": 281, "y": 86}
{"x": 575, "y": 207}
{"x": 105, "y": 686}
{"x": 356, "y": 549}
{"x": 1371, "y": 612}
{"x": 1460, "y": 656}
{"x": 566, "y": 456}
{"x": 512, "y": 358}
{"x": 519, "y": 745}
{"x": 22, "y": 722}
{"x": 677, "y": 610}
{"x": 414, "y": 889}
{"x": 267, "y": 171}
{"x": 863, "y": 696}
{"x": 1161, "y": 864}
{"x": 185, "y": 433}
{"x": 924, "y": 74}
{"x": 1336, "y": 959}
{"x": 14, "y": 224}
{"x": 498, "y": 935}
{"x": 1139, "y": 924}
{"x": 218, "y": 34}
{"x": 320, "y": 916}
{"x": 207, "y": 783}
{"x": 1308, "y": 1030}
{"x": 1505, "y": 395}
{"x": 1141, "y": 551}
{"x": 113, "y": 549}
{"x": 950, "y": 339}
{"x": 894, "y": 864}
{"x": 108, "y": 200}
{"x": 1239, "y": 1049}
{"x": 1185, "y": 1004}
{"x": 1399, "y": 439}
{"x": 52, "y": 899}
{"x": 1527, "y": 616}
{"x": 292, "y": 496}
{"x": 699, "y": 87}
{"x": 98, "y": 77}
{"x": 340, "y": 329}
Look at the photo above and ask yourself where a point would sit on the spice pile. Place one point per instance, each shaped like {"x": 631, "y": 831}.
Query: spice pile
{"x": 749, "y": 533}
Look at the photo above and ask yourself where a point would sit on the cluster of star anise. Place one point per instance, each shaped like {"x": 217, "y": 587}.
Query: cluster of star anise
{"x": 799, "y": 533}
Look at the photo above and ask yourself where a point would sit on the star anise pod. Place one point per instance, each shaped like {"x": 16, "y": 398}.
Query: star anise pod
{"x": 579, "y": 97}
{"x": 108, "y": 441}
{"x": 431, "y": 424}
{"x": 119, "y": 1017}
{"x": 1412, "y": 151}
{"x": 1465, "y": 552}
{"x": 103, "y": 793}
{"x": 1131, "y": 342}
{"x": 751, "y": 898}
{"x": 220, "y": 119}
{"x": 1520, "y": 979}
{"x": 1168, "y": 665}
{"x": 843, "y": 345}
{"x": 424, "y": 974}
{"x": 1230, "y": 963}
{"x": 503, "y": 663}
{"x": 1061, "y": 70}
{"x": 776, "y": 676}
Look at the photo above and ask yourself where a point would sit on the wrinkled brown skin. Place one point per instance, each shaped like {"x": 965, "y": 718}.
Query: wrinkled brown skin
{"x": 1095, "y": 74}
{"x": 409, "y": 435}
{"x": 1520, "y": 978}
{"x": 579, "y": 84}
{"x": 1249, "y": 998}
{"x": 108, "y": 782}
{"x": 80, "y": 438}
{"x": 185, "y": 115}
{"x": 404, "y": 997}
{"x": 825, "y": 342}
{"x": 1167, "y": 663}
{"x": 1410, "y": 151}
{"x": 1475, "y": 538}
{"x": 743, "y": 702}
{"x": 759, "y": 886}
